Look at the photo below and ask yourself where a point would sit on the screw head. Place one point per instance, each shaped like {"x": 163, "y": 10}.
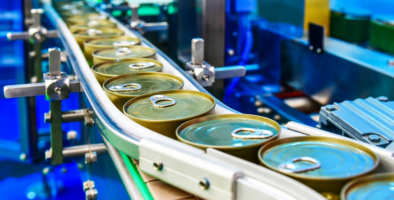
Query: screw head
{"x": 264, "y": 110}
{"x": 22, "y": 157}
{"x": 383, "y": 99}
{"x": 374, "y": 138}
{"x": 48, "y": 155}
{"x": 46, "y": 170}
{"x": 311, "y": 47}
{"x": 204, "y": 184}
{"x": 230, "y": 52}
{"x": 205, "y": 77}
{"x": 331, "y": 108}
{"x": 57, "y": 90}
{"x": 258, "y": 103}
{"x": 277, "y": 117}
{"x": 71, "y": 135}
{"x": 318, "y": 50}
{"x": 158, "y": 165}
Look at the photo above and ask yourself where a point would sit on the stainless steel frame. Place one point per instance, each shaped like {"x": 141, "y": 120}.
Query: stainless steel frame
{"x": 126, "y": 135}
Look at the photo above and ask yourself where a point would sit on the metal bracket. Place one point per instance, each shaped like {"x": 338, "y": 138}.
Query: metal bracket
{"x": 204, "y": 73}
{"x": 142, "y": 26}
{"x": 187, "y": 168}
{"x": 90, "y": 192}
{"x": 316, "y": 37}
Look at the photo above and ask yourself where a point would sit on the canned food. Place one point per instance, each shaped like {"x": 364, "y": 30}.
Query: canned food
{"x": 122, "y": 88}
{"x": 80, "y": 20}
{"x": 120, "y": 41}
{"x": 322, "y": 163}
{"x": 109, "y": 69}
{"x": 164, "y": 111}
{"x": 78, "y": 12}
{"x": 82, "y": 35}
{"x": 240, "y": 135}
{"x": 110, "y": 54}
{"x": 97, "y": 24}
{"x": 67, "y": 15}
{"x": 372, "y": 187}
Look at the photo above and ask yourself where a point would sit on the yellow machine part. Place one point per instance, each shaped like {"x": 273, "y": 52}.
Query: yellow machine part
{"x": 318, "y": 12}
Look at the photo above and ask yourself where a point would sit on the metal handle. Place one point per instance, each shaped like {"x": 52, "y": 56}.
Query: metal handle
{"x": 123, "y": 51}
{"x": 197, "y": 51}
{"x": 142, "y": 65}
{"x": 123, "y": 43}
{"x": 156, "y": 98}
{"x": 128, "y": 87}
{"x": 256, "y": 133}
{"x": 93, "y": 32}
{"x": 290, "y": 167}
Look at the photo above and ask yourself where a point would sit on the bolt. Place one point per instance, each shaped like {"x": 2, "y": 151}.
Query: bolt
{"x": 48, "y": 155}
{"x": 91, "y": 194}
{"x": 23, "y": 157}
{"x": 374, "y": 138}
{"x": 311, "y": 47}
{"x": 158, "y": 165}
{"x": 33, "y": 79}
{"x": 71, "y": 135}
{"x": 264, "y": 110}
{"x": 57, "y": 90}
{"x": 391, "y": 62}
{"x": 90, "y": 157}
{"x": 204, "y": 184}
{"x": 205, "y": 77}
{"x": 277, "y": 117}
{"x": 230, "y": 52}
{"x": 383, "y": 99}
{"x": 331, "y": 107}
{"x": 318, "y": 50}
{"x": 46, "y": 170}
{"x": 258, "y": 103}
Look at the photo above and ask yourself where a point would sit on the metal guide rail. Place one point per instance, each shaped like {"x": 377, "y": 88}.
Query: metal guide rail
{"x": 211, "y": 174}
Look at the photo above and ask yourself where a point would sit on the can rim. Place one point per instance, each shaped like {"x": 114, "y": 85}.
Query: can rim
{"x": 138, "y": 74}
{"x": 318, "y": 138}
{"x": 94, "y": 53}
{"x": 370, "y": 178}
{"x": 89, "y": 44}
{"x": 226, "y": 116}
{"x": 107, "y": 30}
{"x": 146, "y": 96}
{"x": 81, "y": 27}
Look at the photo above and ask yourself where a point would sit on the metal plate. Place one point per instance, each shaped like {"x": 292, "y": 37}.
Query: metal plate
{"x": 379, "y": 186}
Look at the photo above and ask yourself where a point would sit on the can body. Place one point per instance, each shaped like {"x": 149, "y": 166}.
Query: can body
{"x": 147, "y": 82}
{"x": 121, "y": 53}
{"x": 351, "y": 27}
{"x": 382, "y": 35}
{"x": 164, "y": 111}
{"x": 321, "y": 163}
{"x": 221, "y": 132}
{"x": 95, "y": 44}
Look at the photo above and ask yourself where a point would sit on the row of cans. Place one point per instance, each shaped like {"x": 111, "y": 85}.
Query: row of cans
{"x": 133, "y": 81}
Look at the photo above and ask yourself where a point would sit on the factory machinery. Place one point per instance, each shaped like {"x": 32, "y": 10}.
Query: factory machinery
{"x": 314, "y": 150}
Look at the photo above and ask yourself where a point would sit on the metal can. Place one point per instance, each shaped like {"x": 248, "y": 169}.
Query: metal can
{"x": 82, "y": 35}
{"x": 110, "y": 54}
{"x": 109, "y": 69}
{"x": 122, "y": 88}
{"x": 97, "y": 24}
{"x": 325, "y": 164}
{"x": 80, "y": 20}
{"x": 372, "y": 187}
{"x": 240, "y": 135}
{"x": 68, "y": 15}
{"x": 120, "y": 41}
{"x": 83, "y": 11}
{"x": 164, "y": 111}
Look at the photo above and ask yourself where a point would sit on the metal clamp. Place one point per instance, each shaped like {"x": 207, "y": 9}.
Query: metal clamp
{"x": 128, "y": 87}
{"x": 204, "y": 73}
{"x": 57, "y": 83}
{"x": 142, "y": 65}
{"x": 142, "y": 26}
{"x": 93, "y": 32}
{"x": 290, "y": 167}
{"x": 123, "y": 43}
{"x": 256, "y": 133}
{"x": 123, "y": 51}
{"x": 156, "y": 98}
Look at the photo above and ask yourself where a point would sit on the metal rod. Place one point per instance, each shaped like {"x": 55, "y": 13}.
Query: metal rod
{"x": 79, "y": 151}
{"x": 69, "y": 116}
{"x": 34, "y": 89}
{"x": 38, "y": 62}
{"x": 56, "y": 132}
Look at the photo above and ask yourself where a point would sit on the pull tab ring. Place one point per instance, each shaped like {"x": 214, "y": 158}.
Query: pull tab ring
{"x": 123, "y": 51}
{"x": 94, "y": 32}
{"x": 125, "y": 87}
{"x": 156, "y": 98}
{"x": 256, "y": 133}
{"x": 123, "y": 43}
{"x": 290, "y": 167}
{"x": 142, "y": 65}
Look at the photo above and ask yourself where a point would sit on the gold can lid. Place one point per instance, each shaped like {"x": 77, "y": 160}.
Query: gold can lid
{"x": 98, "y": 32}
{"x": 228, "y": 131}
{"x": 169, "y": 106}
{"x": 87, "y": 22}
{"x": 320, "y": 158}
{"x": 125, "y": 52}
{"x": 120, "y": 41}
{"x": 137, "y": 84}
{"x": 134, "y": 65}
{"x": 372, "y": 187}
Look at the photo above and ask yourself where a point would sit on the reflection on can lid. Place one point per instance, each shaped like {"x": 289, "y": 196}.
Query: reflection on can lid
{"x": 98, "y": 32}
{"x": 317, "y": 157}
{"x": 228, "y": 131}
{"x": 124, "y": 52}
{"x": 137, "y": 84}
{"x": 176, "y": 105}
{"x": 127, "y": 66}
{"x": 379, "y": 186}
{"x": 115, "y": 41}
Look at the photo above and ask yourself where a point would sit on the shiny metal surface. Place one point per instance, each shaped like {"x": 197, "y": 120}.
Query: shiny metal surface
{"x": 368, "y": 120}
{"x": 79, "y": 151}
{"x": 122, "y": 53}
{"x": 34, "y": 89}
